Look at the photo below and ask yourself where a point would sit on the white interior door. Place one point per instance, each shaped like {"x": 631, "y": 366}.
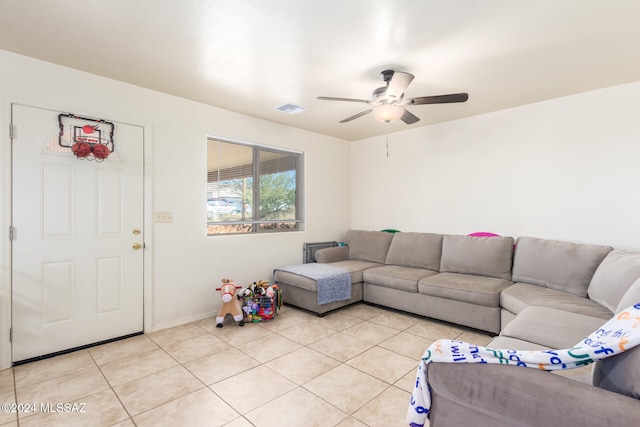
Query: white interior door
{"x": 77, "y": 277}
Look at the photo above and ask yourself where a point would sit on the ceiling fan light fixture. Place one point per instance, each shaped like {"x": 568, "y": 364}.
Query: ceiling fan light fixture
{"x": 387, "y": 113}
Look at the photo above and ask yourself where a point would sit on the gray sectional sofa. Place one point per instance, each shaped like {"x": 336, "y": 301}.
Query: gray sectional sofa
{"x": 532, "y": 293}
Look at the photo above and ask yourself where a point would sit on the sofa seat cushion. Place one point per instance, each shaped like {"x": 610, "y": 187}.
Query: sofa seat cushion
{"x": 518, "y": 297}
{"x": 397, "y": 277}
{"x": 551, "y": 328}
{"x": 479, "y": 290}
{"x": 419, "y": 250}
{"x": 507, "y": 343}
{"x": 563, "y": 266}
{"x": 355, "y": 267}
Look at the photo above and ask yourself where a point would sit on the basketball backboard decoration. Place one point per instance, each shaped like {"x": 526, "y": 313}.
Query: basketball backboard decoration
{"x": 90, "y": 139}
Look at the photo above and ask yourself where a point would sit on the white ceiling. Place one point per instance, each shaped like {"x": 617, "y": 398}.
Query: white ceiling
{"x": 253, "y": 56}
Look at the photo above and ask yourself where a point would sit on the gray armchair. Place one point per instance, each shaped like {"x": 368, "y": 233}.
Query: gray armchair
{"x": 501, "y": 395}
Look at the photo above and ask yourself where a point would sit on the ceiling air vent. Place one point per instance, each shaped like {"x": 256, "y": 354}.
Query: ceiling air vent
{"x": 290, "y": 108}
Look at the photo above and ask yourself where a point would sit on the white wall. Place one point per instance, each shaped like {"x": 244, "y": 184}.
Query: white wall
{"x": 184, "y": 265}
{"x": 564, "y": 169}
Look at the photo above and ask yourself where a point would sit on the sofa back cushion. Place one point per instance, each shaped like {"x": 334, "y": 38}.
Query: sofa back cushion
{"x": 614, "y": 276}
{"x": 630, "y": 298}
{"x": 420, "y": 250}
{"x": 368, "y": 245}
{"x": 482, "y": 256}
{"x": 563, "y": 266}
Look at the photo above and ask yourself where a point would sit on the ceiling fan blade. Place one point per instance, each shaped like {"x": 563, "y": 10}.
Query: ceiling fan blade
{"x": 440, "y": 99}
{"x": 409, "y": 118}
{"x": 355, "y": 116}
{"x": 332, "y": 98}
{"x": 398, "y": 84}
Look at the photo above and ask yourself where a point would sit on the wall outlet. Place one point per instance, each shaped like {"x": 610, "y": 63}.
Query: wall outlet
{"x": 163, "y": 216}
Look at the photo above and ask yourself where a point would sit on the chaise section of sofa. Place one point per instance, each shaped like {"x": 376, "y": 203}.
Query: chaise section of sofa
{"x": 363, "y": 250}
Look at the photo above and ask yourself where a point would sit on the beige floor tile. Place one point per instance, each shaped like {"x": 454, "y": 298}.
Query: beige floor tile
{"x": 268, "y": 347}
{"x": 370, "y": 332}
{"x": 389, "y": 409}
{"x": 341, "y": 346}
{"x": 296, "y": 408}
{"x": 408, "y": 382}
{"x": 383, "y": 364}
{"x": 346, "y": 388}
{"x": 219, "y": 366}
{"x": 179, "y": 333}
{"x": 154, "y": 390}
{"x": 284, "y": 321}
{"x": 195, "y": 348}
{"x": 409, "y": 345}
{"x": 364, "y": 311}
{"x": 240, "y": 335}
{"x": 208, "y": 324}
{"x": 6, "y": 381}
{"x": 350, "y": 368}
{"x": 434, "y": 330}
{"x": 127, "y": 423}
{"x": 252, "y": 388}
{"x": 394, "y": 320}
{"x": 303, "y": 365}
{"x": 122, "y": 349}
{"x": 42, "y": 370}
{"x": 70, "y": 388}
{"x": 137, "y": 366}
{"x": 306, "y": 333}
{"x": 7, "y": 417}
{"x": 200, "y": 408}
{"x": 238, "y": 422}
{"x": 350, "y": 422}
{"x": 337, "y": 321}
{"x": 98, "y": 409}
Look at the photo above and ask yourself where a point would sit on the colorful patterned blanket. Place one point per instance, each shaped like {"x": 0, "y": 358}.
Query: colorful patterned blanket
{"x": 334, "y": 284}
{"x": 620, "y": 333}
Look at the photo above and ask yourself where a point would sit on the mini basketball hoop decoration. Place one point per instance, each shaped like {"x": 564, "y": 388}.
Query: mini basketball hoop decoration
{"x": 89, "y": 139}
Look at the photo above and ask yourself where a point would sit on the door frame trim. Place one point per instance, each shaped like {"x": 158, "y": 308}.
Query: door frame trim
{"x": 6, "y": 186}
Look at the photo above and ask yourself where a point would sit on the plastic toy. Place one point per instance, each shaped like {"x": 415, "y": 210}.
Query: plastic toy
{"x": 230, "y": 304}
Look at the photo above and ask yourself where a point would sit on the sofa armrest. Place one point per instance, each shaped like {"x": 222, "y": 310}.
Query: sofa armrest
{"x": 332, "y": 254}
{"x": 500, "y": 395}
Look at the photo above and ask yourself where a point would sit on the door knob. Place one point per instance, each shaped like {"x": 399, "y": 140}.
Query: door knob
{"x": 137, "y": 246}
{"x": 136, "y": 231}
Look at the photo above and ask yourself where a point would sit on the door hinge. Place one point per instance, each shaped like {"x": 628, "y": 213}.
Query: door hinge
{"x": 13, "y": 131}
{"x": 12, "y": 232}
{"x": 10, "y": 334}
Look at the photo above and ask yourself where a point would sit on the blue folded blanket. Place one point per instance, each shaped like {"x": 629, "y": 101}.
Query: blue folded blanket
{"x": 334, "y": 284}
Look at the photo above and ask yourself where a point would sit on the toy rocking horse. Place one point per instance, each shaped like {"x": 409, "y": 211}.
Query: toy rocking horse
{"x": 230, "y": 304}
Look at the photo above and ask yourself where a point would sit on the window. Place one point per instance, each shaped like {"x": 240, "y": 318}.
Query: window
{"x": 252, "y": 188}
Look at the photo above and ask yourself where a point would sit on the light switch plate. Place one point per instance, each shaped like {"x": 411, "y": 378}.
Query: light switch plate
{"x": 163, "y": 217}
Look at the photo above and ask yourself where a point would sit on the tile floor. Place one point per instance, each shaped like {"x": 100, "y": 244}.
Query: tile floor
{"x": 353, "y": 367}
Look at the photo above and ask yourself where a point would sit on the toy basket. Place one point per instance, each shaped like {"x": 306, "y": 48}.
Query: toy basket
{"x": 261, "y": 308}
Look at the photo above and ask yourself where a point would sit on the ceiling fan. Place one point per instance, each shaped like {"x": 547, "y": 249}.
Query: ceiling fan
{"x": 388, "y": 101}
